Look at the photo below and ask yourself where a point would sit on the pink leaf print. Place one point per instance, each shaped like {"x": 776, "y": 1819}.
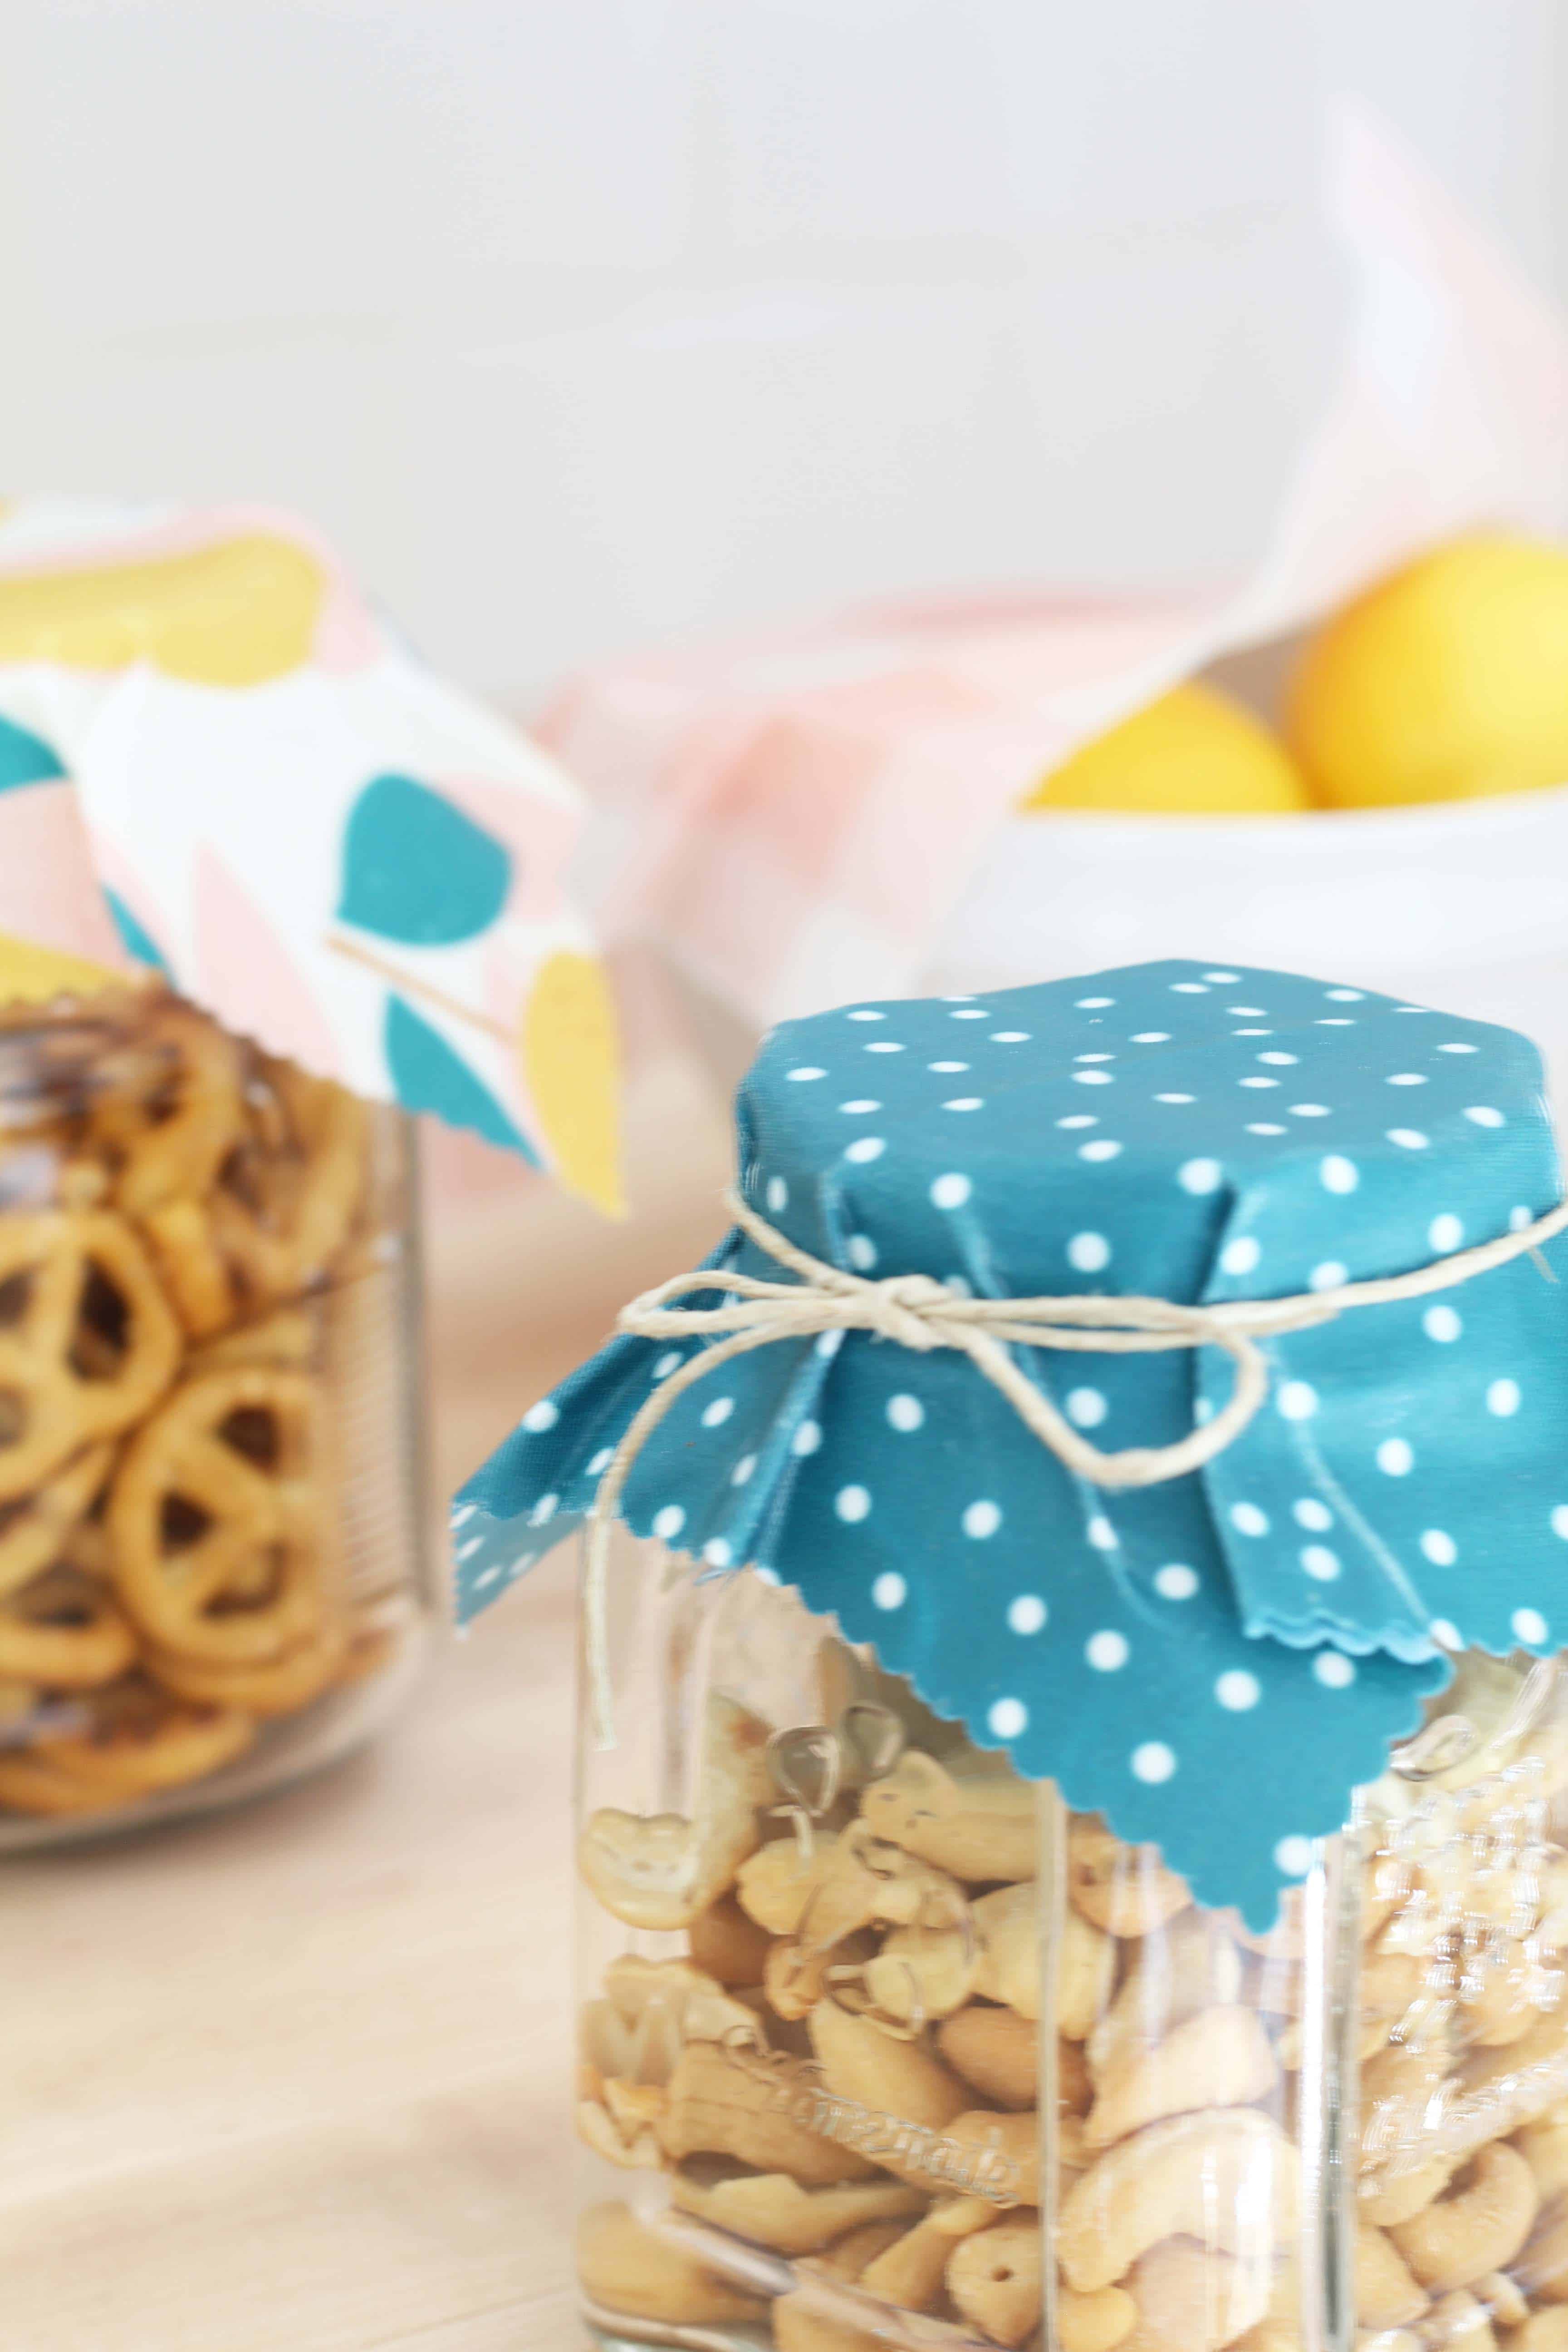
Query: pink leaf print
{"x": 245, "y": 975}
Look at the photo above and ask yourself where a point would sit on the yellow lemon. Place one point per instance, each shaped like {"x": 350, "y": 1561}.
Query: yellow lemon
{"x": 1193, "y": 752}
{"x": 571, "y": 1066}
{"x": 233, "y": 615}
{"x": 1446, "y": 681}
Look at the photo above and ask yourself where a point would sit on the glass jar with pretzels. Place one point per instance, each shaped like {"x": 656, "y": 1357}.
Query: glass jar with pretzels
{"x": 210, "y": 1576}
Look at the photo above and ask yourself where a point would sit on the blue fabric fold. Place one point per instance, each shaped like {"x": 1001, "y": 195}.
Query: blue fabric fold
{"x": 1214, "y": 1662}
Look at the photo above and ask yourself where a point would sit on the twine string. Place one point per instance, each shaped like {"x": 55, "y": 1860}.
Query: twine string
{"x": 918, "y": 1312}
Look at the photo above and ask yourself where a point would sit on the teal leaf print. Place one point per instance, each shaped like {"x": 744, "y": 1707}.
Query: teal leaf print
{"x": 427, "y": 1075}
{"x": 26, "y": 758}
{"x": 415, "y": 869}
{"x": 133, "y": 938}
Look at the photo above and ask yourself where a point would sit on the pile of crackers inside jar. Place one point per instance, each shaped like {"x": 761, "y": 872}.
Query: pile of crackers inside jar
{"x": 176, "y": 1208}
{"x": 1462, "y": 2147}
{"x": 937, "y": 2062}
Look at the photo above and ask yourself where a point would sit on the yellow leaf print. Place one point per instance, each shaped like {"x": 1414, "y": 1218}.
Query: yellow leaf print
{"x": 34, "y": 975}
{"x": 233, "y": 615}
{"x": 571, "y": 1067}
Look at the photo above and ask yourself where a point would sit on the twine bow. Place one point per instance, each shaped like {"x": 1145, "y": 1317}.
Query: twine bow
{"x": 918, "y": 1312}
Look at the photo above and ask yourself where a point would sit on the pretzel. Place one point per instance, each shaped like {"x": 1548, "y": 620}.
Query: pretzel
{"x": 138, "y": 1740}
{"x": 174, "y": 1193}
{"x": 278, "y": 1688}
{"x": 64, "y": 1631}
{"x": 34, "y": 1531}
{"x": 17, "y": 1701}
{"x": 30, "y": 1783}
{"x": 78, "y": 1184}
{"x": 166, "y": 1141}
{"x": 55, "y": 1272}
{"x": 287, "y": 1336}
{"x": 217, "y": 1519}
{"x": 283, "y": 1213}
{"x": 195, "y": 1273}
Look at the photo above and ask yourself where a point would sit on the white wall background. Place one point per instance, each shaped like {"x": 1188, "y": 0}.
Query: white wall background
{"x": 577, "y": 321}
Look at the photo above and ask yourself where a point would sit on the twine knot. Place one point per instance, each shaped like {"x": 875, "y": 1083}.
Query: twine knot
{"x": 899, "y": 1314}
{"x": 918, "y": 1312}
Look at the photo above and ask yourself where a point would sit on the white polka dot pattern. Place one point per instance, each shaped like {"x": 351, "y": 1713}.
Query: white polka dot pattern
{"x": 1175, "y": 1581}
{"x": 1186, "y": 1131}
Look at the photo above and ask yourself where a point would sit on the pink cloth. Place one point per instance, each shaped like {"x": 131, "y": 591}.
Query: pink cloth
{"x": 795, "y": 815}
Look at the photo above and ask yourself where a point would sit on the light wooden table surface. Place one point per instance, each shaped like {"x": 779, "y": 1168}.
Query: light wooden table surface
{"x": 296, "y": 2076}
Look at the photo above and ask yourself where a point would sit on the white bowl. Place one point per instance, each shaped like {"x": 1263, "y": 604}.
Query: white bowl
{"x": 1463, "y": 905}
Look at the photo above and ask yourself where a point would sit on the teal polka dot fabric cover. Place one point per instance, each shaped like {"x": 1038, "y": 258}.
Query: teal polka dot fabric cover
{"x": 1214, "y": 1663}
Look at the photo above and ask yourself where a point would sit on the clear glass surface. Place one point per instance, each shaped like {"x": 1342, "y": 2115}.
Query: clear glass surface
{"x": 880, "y": 2044}
{"x": 211, "y": 1573}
